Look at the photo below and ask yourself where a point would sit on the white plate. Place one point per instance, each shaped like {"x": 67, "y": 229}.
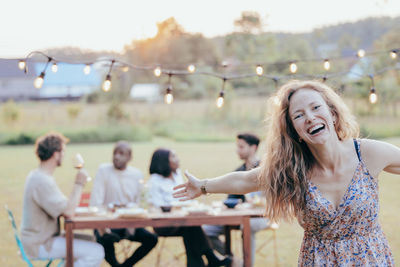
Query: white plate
{"x": 86, "y": 211}
{"x": 131, "y": 213}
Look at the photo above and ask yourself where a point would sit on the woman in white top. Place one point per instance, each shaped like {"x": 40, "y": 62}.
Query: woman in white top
{"x": 165, "y": 174}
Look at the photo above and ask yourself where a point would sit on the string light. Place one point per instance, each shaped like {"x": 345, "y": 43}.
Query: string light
{"x": 54, "y": 67}
{"x": 107, "y": 83}
{"x": 373, "y": 98}
{"x": 327, "y": 64}
{"x": 191, "y": 68}
{"x": 220, "y": 99}
{"x": 372, "y": 93}
{"x": 38, "y": 82}
{"x": 157, "y": 72}
{"x": 21, "y": 64}
{"x": 259, "y": 70}
{"x": 361, "y": 53}
{"x": 293, "y": 67}
{"x": 168, "y": 98}
{"x": 86, "y": 69}
{"x": 106, "y": 86}
{"x": 393, "y": 54}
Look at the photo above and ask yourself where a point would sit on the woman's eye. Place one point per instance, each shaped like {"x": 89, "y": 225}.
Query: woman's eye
{"x": 298, "y": 116}
{"x": 316, "y": 107}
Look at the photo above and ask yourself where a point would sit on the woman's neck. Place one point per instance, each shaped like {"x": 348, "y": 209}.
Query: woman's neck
{"x": 328, "y": 156}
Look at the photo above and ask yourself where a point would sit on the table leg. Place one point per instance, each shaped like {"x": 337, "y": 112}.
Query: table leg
{"x": 228, "y": 250}
{"x": 69, "y": 245}
{"x": 246, "y": 242}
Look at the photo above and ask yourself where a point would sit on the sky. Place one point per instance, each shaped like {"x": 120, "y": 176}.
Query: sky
{"x": 28, "y": 25}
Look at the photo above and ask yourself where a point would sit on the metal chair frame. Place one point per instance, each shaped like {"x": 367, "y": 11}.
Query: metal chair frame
{"x": 21, "y": 251}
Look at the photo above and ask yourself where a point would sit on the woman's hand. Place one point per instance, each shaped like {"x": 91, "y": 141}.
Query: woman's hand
{"x": 189, "y": 190}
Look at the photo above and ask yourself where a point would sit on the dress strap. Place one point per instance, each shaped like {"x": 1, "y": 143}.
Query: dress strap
{"x": 357, "y": 146}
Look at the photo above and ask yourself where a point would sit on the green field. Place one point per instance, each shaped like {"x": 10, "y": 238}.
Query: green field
{"x": 202, "y": 159}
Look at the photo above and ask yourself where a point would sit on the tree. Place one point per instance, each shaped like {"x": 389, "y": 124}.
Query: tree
{"x": 249, "y": 22}
{"x": 169, "y": 28}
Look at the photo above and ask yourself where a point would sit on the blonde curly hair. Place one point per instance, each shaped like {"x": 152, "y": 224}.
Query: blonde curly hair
{"x": 287, "y": 162}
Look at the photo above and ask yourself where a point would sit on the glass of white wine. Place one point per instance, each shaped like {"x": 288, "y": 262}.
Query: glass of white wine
{"x": 79, "y": 163}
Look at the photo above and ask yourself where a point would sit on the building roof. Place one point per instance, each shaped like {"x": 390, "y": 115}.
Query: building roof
{"x": 68, "y": 75}
{"x": 9, "y": 69}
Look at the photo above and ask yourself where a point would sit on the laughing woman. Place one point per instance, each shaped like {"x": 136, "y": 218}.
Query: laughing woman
{"x": 317, "y": 170}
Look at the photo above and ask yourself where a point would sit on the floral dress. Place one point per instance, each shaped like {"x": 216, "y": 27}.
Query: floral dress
{"x": 349, "y": 235}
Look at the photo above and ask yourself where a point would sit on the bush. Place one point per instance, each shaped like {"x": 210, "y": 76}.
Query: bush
{"x": 21, "y": 139}
{"x": 11, "y": 112}
{"x": 109, "y": 134}
{"x": 92, "y": 135}
{"x": 73, "y": 111}
{"x": 116, "y": 113}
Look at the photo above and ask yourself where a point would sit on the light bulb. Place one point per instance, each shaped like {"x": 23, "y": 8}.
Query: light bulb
{"x": 293, "y": 67}
{"x": 107, "y": 83}
{"x": 21, "y": 64}
{"x": 191, "y": 68}
{"x": 220, "y": 100}
{"x": 327, "y": 64}
{"x": 86, "y": 69}
{"x": 125, "y": 68}
{"x": 361, "y": 53}
{"x": 54, "y": 67}
{"x": 168, "y": 98}
{"x": 372, "y": 96}
{"x": 157, "y": 72}
{"x": 38, "y": 82}
{"x": 259, "y": 70}
{"x": 393, "y": 54}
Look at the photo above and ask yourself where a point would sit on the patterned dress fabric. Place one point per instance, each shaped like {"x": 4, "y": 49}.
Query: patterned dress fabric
{"x": 349, "y": 235}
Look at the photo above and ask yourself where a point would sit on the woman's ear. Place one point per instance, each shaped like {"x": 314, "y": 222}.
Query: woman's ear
{"x": 334, "y": 117}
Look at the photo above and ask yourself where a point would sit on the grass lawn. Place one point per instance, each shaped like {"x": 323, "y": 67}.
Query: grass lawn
{"x": 202, "y": 159}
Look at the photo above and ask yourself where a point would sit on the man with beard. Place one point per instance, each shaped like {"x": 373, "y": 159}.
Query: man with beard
{"x": 246, "y": 149}
{"x": 118, "y": 184}
{"x": 44, "y": 203}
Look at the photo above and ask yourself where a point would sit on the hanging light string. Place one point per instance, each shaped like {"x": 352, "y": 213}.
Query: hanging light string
{"x": 220, "y": 99}
{"x": 106, "y": 86}
{"x": 169, "y": 98}
{"x": 192, "y": 69}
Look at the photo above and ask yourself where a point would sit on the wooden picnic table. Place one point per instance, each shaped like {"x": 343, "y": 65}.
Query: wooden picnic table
{"x": 228, "y": 217}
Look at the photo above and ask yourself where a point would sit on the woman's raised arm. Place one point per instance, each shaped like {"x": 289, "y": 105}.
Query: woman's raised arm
{"x": 230, "y": 183}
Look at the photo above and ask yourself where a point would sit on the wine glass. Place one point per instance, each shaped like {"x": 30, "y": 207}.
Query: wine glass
{"x": 79, "y": 163}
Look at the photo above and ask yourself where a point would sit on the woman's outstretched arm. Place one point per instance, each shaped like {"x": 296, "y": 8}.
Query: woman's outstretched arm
{"x": 380, "y": 156}
{"x": 231, "y": 183}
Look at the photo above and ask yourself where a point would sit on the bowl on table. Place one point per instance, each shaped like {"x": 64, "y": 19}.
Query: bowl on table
{"x": 166, "y": 208}
{"x": 230, "y": 203}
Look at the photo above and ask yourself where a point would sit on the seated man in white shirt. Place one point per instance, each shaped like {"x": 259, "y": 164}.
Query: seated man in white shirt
{"x": 44, "y": 203}
{"x": 120, "y": 184}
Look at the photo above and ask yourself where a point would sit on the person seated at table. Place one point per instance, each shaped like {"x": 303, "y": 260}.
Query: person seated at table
{"x": 246, "y": 149}
{"x": 165, "y": 174}
{"x": 44, "y": 202}
{"x": 119, "y": 184}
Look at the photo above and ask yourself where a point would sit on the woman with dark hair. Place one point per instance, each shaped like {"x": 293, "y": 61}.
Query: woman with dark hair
{"x": 165, "y": 174}
{"x": 318, "y": 170}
